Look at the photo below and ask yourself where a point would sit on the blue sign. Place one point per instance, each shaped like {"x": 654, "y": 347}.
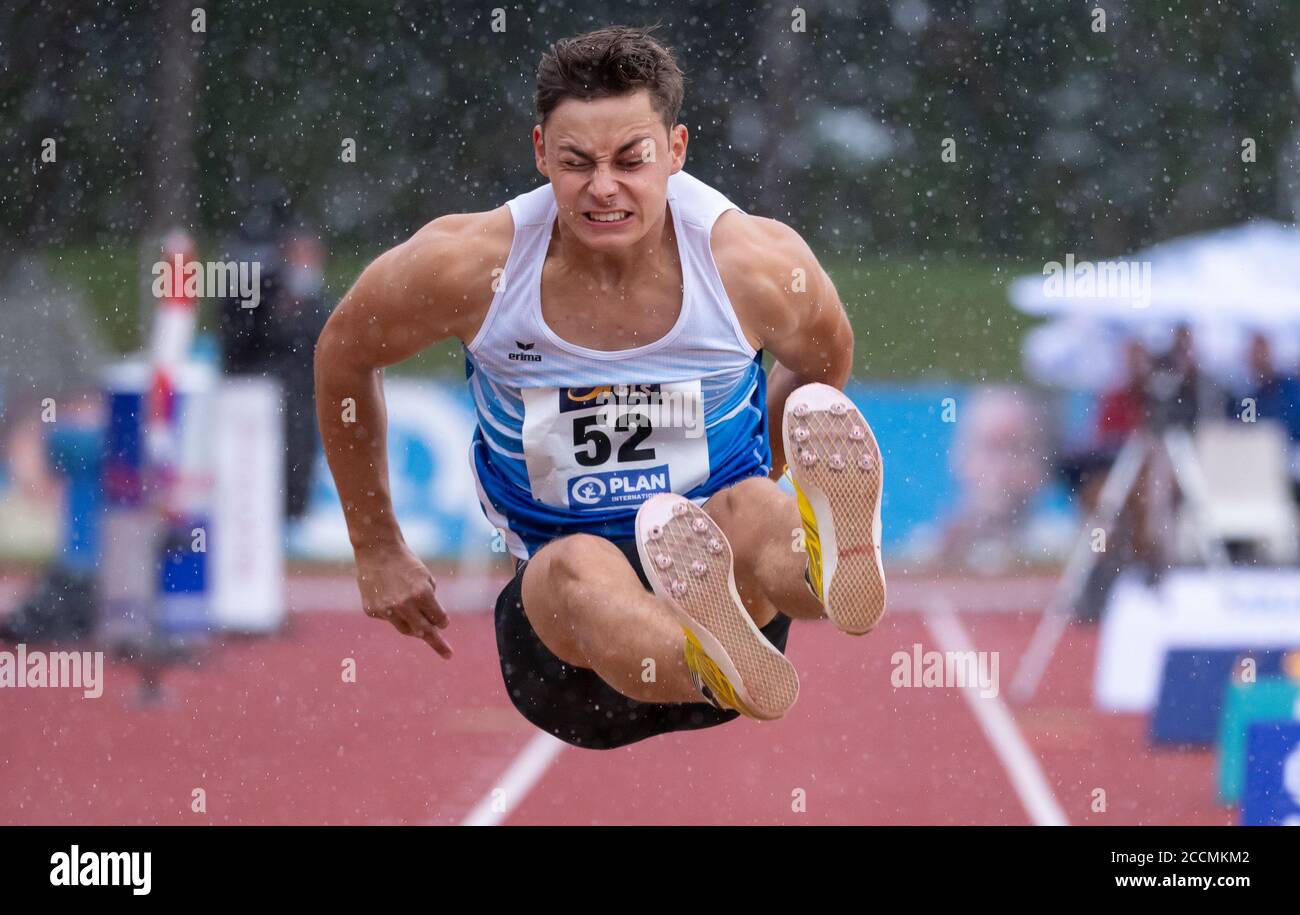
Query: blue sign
{"x": 618, "y": 487}
{"x": 1192, "y": 688}
{"x": 1272, "y": 796}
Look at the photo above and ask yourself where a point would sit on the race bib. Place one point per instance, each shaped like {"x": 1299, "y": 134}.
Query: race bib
{"x": 614, "y": 445}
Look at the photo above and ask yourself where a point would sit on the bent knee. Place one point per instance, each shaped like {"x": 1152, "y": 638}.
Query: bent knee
{"x": 566, "y": 561}
{"x": 749, "y": 500}
{"x": 553, "y": 585}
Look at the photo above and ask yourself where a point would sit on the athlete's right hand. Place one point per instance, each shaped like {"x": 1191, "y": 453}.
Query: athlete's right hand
{"x": 396, "y": 586}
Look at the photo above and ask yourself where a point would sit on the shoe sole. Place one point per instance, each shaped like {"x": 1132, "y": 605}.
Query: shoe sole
{"x": 710, "y": 609}
{"x": 845, "y": 500}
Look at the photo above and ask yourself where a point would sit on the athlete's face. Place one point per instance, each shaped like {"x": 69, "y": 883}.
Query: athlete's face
{"x": 609, "y": 160}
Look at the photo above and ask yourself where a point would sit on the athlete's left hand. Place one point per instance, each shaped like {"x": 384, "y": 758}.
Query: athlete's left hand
{"x": 396, "y": 586}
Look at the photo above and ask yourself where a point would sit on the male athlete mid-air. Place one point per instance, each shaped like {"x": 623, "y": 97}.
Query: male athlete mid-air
{"x": 613, "y": 323}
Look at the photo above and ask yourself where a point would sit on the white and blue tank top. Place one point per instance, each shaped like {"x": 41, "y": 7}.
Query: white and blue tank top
{"x": 572, "y": 439}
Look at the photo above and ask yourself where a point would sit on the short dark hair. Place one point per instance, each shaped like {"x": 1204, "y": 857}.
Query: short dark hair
{"x": 614, "y": 60}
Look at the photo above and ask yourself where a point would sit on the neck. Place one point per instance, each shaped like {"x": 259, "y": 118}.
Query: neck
{"x": 613, "y": 268}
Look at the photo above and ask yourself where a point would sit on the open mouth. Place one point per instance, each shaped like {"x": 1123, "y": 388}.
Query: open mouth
{"x": 610, "y": 217}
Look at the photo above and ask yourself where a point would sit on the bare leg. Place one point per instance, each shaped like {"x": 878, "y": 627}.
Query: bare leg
{"x": 590, "y": 609}
{"x": 763, "y": 526}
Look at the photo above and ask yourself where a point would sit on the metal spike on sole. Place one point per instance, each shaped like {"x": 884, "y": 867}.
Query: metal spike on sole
{"x": 700, "y": 587}
{"x": 835, "y": 461}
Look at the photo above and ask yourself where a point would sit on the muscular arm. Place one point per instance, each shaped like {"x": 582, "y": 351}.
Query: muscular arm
{"x": 414, "y": 295}
{"x": 788, "y": 303}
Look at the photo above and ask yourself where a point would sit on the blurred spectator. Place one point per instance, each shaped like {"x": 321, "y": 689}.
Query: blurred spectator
{"x": 50, "y": 414}
{"x": 1276, "y": 397}
{"x": 1181, "y": 393}
{"x": 1120, "y": 412}
{"x": 1123, "y": 410}
{"x": 278, "y": 338}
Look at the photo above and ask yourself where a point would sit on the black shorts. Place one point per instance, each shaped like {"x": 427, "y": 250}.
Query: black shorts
{"x": 574, "y": 703}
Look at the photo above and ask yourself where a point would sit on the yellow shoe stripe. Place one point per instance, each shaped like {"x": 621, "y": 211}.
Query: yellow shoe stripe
{"x": 699, "y": 661}
{"x": 812, "y": 541}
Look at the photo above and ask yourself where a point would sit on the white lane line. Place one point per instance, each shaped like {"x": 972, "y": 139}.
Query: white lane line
{"x": 999, "y": 726}
{"x": 513, "y": 786}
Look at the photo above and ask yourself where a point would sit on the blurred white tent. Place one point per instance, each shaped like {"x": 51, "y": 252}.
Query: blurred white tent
{"x": 1075, "y": 353}
{"x": 1226, "y": 284}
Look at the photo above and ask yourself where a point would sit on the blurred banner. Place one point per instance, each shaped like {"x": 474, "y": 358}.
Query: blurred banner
{"x": 970, "y": 475}
{"x": 1190, "y": 608}
{"x": 430, "y": 424}
{"x": 932, "y": 490}
{"x": 247, "y": 525}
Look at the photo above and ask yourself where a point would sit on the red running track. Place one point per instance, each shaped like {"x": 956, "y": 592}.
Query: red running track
{"x": 271, "y": 733}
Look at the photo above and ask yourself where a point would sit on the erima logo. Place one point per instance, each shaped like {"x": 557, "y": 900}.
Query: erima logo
{"x": 524, "y": 355}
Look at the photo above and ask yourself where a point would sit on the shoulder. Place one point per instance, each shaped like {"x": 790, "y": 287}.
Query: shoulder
{"x": 764, "y": 264}
{"x": 450, "y": 266}
{"x": 740, "y": 242}
{"x": 462, "y": 246}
